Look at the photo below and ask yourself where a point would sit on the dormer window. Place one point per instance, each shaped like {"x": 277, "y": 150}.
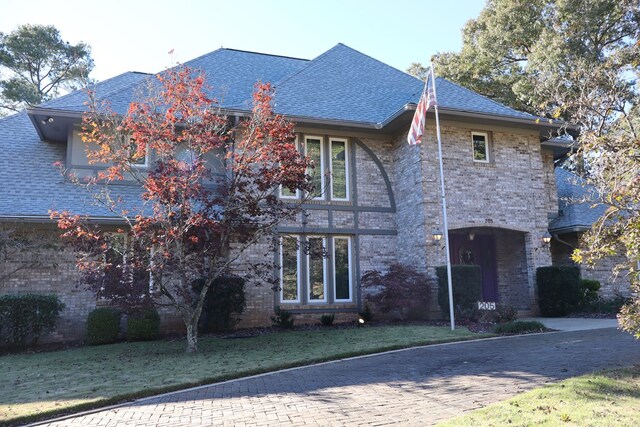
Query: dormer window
{"x": 480, "y": 146}
{"x": 138, "y": 162}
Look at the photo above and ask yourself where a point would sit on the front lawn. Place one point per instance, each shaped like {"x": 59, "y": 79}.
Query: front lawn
{"x": 610, "y": 398}
{"x": 35, "y": 385}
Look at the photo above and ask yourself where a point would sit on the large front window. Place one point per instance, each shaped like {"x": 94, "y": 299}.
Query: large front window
{"x": 339, "y": 175}
{"x": 289, "y": 267}
{"x": 315, "y": 269}
{"x": 327, "y": 154}
{"x": 313, "y": 149}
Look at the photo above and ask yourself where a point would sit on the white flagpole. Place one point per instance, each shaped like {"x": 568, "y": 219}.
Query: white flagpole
{"x": 444, "y": 203}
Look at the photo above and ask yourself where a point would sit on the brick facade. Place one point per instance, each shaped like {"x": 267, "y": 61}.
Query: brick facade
{"x": 611, "y": 285}
{"x": 394, "y": 209}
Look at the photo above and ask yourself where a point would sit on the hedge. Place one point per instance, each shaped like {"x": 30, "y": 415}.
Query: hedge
{"x": 559, "y": 289}
{"x": 103, "y": 326}
{"x": 467, "y": 287}
{"x": 144, "y": 326}
{"x": 225, "y": 302}
{"x": 28, "y": 315}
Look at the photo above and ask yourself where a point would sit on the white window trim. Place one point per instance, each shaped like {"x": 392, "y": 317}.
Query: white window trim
{"x": 324, "y": 273}
{"x": 348, "y": 239}
{"x": 486, "y": 144}
{"x": 297, "y": 194}
{"x": 346, "y": 167}
{"x": 144, "y": 165}
{"x": 321, "y": 170}
{"x": 297, "y": 300}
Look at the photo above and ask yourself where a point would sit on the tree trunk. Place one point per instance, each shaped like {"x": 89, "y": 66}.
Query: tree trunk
{"x": 192, "y": 337}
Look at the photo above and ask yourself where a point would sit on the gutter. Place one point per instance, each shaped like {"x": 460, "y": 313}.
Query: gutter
{"x": 570, "y": 229}
{"x": 344, "y": 123}
{"x": 47, "y": 219}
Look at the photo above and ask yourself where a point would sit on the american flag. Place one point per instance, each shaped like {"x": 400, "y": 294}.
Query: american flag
{"x": 427, "y": 100}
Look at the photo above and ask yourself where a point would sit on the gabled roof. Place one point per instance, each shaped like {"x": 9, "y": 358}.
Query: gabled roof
{"x": 576, "y": 202}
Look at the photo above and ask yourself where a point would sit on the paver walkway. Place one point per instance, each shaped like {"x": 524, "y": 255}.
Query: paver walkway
{"x": 410, "y": 387}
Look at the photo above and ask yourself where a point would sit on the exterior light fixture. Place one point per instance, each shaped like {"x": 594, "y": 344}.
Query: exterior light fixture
{"x": 546, "y": 238}
{"x": 437, "y": 236}
{"x": 47, "y": 120}
{"x": 472, "y": 235}
{"x": 360, "y": 322}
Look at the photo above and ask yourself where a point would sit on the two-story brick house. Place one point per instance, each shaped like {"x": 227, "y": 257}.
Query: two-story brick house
{"x": 352, "y": 114}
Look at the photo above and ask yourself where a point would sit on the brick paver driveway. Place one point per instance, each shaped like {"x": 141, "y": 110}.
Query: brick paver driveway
{"x": 411, "y": 387}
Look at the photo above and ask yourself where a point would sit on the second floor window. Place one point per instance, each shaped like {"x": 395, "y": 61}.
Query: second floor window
{"x": 328, "y": 155}
{"x": 314, "y": 148}
{"x": 339, "y": 169}
{"x": 480, "y": 146}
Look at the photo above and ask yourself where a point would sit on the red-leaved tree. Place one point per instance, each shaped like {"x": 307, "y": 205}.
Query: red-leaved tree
{"x": 206, "y": 191}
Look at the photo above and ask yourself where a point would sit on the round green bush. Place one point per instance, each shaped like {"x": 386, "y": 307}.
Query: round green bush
{"x": 144, "y": 326}
{"x": 103, "y": 326}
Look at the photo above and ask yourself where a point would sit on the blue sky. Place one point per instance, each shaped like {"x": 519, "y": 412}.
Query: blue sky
{"x": 137, "y": 35}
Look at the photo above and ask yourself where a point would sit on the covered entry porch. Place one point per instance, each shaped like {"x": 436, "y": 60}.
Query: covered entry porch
{"x": 506, "y": 261}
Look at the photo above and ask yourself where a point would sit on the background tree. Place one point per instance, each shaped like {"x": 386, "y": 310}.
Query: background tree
{"x": 36, "y": 64}
{"x": 536, "y": 55}
{"x": 576, "y": 60}
{"x": 209, "y": 193}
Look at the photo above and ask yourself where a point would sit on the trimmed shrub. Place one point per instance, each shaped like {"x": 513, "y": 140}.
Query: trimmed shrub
{"x": 519, "y": 327}
{"x": 225, "y": 301}
{"x": 327, "y": 319}
{"x": 283, "y": 318}
{"x": 103, "y": 326}
{"x": 402, "y": 291}
{"x": 609, "y": 306}
{"x": 558, "y": 289}
{"x": 467, "y": 288}
{"x": 144, "y": 326}
{"x": 28, "y": 315}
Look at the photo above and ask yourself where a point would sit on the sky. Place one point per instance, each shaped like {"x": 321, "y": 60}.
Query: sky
{"x": 137, "y": 35}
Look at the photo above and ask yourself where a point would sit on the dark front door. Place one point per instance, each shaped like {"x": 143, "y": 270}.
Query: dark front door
{"x": 479, "y": 251}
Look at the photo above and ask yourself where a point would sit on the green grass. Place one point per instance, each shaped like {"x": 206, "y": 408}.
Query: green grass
{"x": 610, "y": 398}
{"x": 43, "y": 384}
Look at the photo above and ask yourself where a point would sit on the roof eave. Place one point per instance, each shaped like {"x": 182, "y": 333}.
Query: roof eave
{"x": 569, "y": 229}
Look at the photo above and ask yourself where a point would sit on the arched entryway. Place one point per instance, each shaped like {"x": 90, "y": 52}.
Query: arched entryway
{"x": 472, "y": 248}
{"x": 502, "y": 257}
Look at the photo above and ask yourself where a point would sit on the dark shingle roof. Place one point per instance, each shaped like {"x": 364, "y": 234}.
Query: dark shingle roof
{"x": 576, "y": 202}
{"x": 30, "y": 184}
{"x": 341, "y": 84}
{"x": 119, "y": 90}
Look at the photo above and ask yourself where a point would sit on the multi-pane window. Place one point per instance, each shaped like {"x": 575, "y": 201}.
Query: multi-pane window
{"x": 313, "y": 149}
{"x": 330, "y": 154}
{"x": 315, "y": 269}
{"x": 480, "y": 145}
{"x": 342, "y": 269}
{"x": 285, "y": 192}
{"x": 338, "y": 165}
{"x": 289, "y": 267}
